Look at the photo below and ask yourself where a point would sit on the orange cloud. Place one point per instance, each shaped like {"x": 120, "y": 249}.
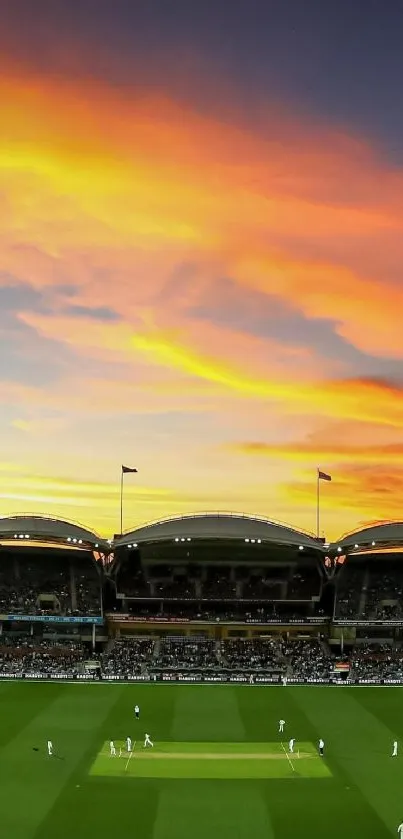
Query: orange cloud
{"x": 365, "y": 400}
{"x": 375, "y": 492}
{"x": 363, "y": 306}
{"x": 357, "y": 399}
{"x": 85, "y": 170}
{"x": 312, "y": 454}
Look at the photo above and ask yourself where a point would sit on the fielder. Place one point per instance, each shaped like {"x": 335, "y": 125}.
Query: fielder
{"x": 112, "y": 749}
{"x": 321, "y": 747}
{"x": 147, "y": 741}
{"x": 291, "y": 745}
{"x": 129, "y": 744}
{"x": 50, "y": 748}
{"x": 137, "y": 712}
{"x": 400, "y": 830}
{"x": 394, "y": 753}
{"x": 281, "y": 724}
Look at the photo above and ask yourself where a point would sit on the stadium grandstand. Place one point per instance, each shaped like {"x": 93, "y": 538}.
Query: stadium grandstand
{"x": 213, "y": 596}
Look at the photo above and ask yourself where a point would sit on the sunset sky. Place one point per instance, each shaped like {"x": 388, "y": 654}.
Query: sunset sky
{"x": 201, "y": 251}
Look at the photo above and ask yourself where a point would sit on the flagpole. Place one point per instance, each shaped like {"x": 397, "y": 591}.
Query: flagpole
{"x": 121, "y": 501}
{"x": 124, "y": 470}
{"x": 317, "y": 505}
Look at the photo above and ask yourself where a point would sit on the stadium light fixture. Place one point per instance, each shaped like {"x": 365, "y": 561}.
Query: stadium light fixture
{"x": 21, "y": 536}
{"x": 96, "y": 545}
{"x": 246, "y": 540}
{"x": 356, "y": 546}
{"x": 188, "y": 539}
{"x": 176, "y": 539}
{"x": 15, "y": 535}
{"x": 75, "y": 541}
{"x": 373, "y": 544}
{"x": 259, "y": 541}
{"x": 129, "y": 546}
{"x": 339, "y": 549}
{"x": 69, "y": 538}
{"x": 301, "y": 548}
{"x": 27, "y": 535}
{"x": 183, "y": 539}
{"x": 80, "y": 541}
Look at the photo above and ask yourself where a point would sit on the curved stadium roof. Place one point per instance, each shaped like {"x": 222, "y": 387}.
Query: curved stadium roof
{"x": 378, "y": 535}
{"x": 225, "y": 526}
{"x": 46, "y": 528}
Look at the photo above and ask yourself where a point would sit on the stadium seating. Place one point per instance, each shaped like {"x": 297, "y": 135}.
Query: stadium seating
{"x": 37, "y": 583}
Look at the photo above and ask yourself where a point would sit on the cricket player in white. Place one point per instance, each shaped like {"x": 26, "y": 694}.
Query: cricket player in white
{"x": 284, "y": 681}
{"x": 137, "y": 712}
{"x": 321, "y": 747}
{"x": 291, "y": 745}
{"x": 147, "y": 741}
{"x": 129, "y": 744}
{"x": 400, "y": 830}
{"x": 394, "y": 753}
{"x": 112, "y": 749}
{"x": 281, "y": 724}
{"x": 50, "y": 748}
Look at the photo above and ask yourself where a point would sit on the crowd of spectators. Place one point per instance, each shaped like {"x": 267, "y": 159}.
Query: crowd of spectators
{"x": 308, "y": 659}
{"x": 370, "y": 591}
{"x": 377, "y": 661}
{"x": 25, "y": 655}
{"x": 187, "y": 654}
{"x": 88, "y": 589}
{"x": 177, "y": 587}
{"x": 384, "y": 592}
{"x": 259, "y": 587}
{"x": 218, "y": 582}
{"x": 39, "y": 584}
{"x": 349, "y": 589}
{"x": 253, "y": 654}
{"x": 305, "y": 659}
{"x": 216, "y": 611}
{"x": 128, "y": 657}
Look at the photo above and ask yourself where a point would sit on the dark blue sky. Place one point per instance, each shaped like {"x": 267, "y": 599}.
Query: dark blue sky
{"x": 342, "y": 61}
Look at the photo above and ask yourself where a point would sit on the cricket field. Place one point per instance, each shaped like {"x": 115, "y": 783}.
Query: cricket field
{"x": 218, "y": 768}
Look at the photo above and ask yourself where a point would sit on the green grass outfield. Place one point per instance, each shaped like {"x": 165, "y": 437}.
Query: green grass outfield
{"x": 217, "y": 770}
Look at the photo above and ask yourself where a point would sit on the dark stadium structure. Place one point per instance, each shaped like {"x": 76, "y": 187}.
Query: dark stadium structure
{"x": 49, "y": 567}
{"x": 369, "y": 588}
{"x": 203, "y": 597}
{"x": 217, "y": 567}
